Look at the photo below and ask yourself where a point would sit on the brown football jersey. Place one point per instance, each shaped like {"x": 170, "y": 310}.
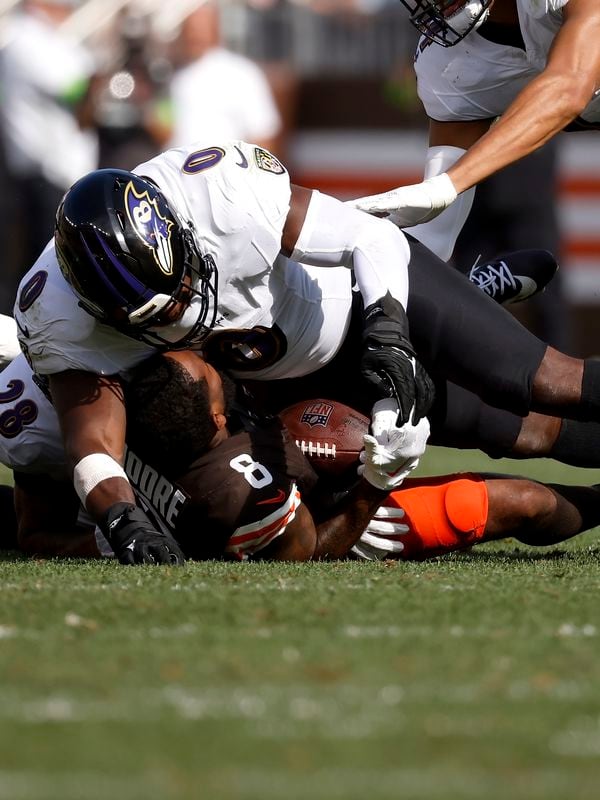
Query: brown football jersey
{"x": 234, "y": 499}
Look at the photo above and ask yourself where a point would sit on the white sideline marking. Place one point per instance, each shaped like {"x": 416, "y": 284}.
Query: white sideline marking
{"x": 346, "y": 711}
{"x": 336, "y": 783}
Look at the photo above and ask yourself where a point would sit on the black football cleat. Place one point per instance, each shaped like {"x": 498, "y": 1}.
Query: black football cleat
{"x": 516, "y": 276}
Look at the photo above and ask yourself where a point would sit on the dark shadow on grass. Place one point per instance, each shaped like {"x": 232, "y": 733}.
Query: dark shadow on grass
{"x": 13, "y": 556}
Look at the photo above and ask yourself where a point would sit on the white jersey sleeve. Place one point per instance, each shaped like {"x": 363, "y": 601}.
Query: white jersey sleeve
{"x": 56, "y": 334}
{"x": 30, "y": 439}
{"x": 312, "y": 309}
{"x": 476, "y": 79}
{"x": 479, "y": 79}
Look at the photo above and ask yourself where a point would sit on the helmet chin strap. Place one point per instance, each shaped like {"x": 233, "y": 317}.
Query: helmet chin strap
{"x": 462, "y": 20}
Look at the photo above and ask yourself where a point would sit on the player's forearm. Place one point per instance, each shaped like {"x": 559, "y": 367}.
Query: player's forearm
{"x": 98, "y": 477}
{"x": 338, "y": 534}
{"x": 105, "y": 494}
{"x": 540, "y": 111}
{"x": 92, "y": 417}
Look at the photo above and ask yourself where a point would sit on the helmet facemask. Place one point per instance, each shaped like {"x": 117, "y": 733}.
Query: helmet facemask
{"x": 197, "y": 293}
{"x": 447, "y": 22}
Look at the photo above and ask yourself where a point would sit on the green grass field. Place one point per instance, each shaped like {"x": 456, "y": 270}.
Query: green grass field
{"x": 473, "y": 676}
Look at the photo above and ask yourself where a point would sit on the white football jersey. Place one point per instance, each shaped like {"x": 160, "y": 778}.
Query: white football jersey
{"x": 9, "y": 342}
{"x": 30, "y": 439}
{"x": 478, "y": 79}
{"x": 56, "y": 334}
{"x": 236, "y": 196}
{"x": 311, "y": 310}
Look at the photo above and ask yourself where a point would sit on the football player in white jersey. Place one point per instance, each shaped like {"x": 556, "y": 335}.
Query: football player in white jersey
{"x": 498, "y": 79}
{"x": 134, "y": 267}
{"x": 49, "y": 520}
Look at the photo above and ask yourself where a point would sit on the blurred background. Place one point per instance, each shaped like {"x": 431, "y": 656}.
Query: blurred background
{"x": 328, "y": 85}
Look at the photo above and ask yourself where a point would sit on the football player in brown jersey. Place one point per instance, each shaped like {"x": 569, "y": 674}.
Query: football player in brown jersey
{"x": 230, "y": 485}
{"x": 246, "y": 491}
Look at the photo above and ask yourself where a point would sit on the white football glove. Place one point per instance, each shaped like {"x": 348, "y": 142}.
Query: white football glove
{"x": 411, "y": 205}
{"x": 391, "y": 453}
{"x": 381, "y": 538}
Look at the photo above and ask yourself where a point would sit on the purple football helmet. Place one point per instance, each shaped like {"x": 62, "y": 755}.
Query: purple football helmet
{"x": 131, "y": 260}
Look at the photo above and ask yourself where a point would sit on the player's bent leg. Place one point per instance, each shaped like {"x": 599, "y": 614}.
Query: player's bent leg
{"x": 455, "y": 512}
{"x": 475, "y": 343}
{"x": 518, "y": 507}
{"x": 442, "y": 514}
{"x": 569, "y": 385}
{"x": 570, "y": 441}
{"x": 557, "y": 384}
{"x": 462, "y": 420}
{"x": 538, "y": 514}
{"x": 462, "y": 335}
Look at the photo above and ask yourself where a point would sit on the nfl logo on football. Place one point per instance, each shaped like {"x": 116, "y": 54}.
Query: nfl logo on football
{"x": 316, "y": 414}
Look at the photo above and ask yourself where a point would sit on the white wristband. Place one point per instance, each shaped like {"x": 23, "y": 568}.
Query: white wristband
{"x": 441, "y": 191}
{"x": 93, "y": 469}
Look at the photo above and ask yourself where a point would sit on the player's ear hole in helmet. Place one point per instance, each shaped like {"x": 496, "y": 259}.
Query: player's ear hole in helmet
{"x": 131, "y": 260}
{"x": 447, "y": 22}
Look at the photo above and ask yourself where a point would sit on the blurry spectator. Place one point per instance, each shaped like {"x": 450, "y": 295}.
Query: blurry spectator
{"x": 43, "y": 78}
{"x": 131, "y": 105}
{"x": 516, "y": 209}
{"x": 216, "y": 93}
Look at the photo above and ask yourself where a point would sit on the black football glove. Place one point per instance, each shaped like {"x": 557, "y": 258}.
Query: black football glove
{"x": 389, "y": 364}
{"x": 135, "y": 540}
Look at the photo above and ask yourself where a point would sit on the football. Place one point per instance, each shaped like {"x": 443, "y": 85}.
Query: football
{"x": 329, "y": 433}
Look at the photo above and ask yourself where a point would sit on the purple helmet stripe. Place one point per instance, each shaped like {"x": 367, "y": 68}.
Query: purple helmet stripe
{"x": 140, "y": 291}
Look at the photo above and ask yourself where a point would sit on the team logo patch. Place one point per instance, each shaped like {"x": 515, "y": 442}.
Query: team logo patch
{"x": 316, "y": 414}
{"x": 268, "y": 162}
{"x": 153, "y": 229}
